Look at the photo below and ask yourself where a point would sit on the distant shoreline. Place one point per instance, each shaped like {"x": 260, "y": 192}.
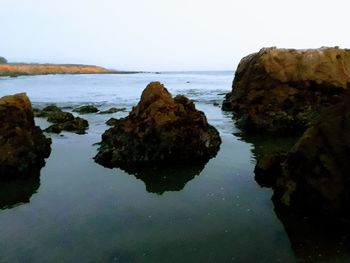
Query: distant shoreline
{"x": 32, "y": 69}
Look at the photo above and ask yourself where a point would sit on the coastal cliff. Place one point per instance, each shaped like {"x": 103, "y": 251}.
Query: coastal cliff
{"x": 45, "y": 69}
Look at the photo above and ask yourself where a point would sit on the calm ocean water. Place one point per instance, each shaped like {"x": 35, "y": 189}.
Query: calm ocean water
{"x": 80, "y": 211}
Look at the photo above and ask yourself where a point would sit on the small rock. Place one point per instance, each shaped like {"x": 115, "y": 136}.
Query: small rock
{"x": 86, "y": 109}
{"x": 112, "y": 110}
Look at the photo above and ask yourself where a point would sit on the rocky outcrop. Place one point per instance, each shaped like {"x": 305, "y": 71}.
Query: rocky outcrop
{"x": 278, "y": 90}
{"x": 86, "y": 109}
{"x": 23, "y": 147}
{"x": 160, "y": 129}
{"x": 314, "y": 174}
{"x": 63, "y": 121}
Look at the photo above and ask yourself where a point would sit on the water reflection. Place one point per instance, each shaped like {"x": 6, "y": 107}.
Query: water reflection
{"x": 316, "y": 239}
{"x": 14, "y": 192}
{"x": 160, "y": 179}
{"x": 312, "y": 238}
{"x": 265, "y": 143}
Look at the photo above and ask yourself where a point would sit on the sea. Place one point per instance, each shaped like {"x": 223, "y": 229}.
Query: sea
{"x": 80, "y": 211}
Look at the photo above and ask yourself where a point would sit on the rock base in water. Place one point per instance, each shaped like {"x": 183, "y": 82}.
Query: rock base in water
{"x": 160, "y": 129}
{"x": 23, "y": 146}
{"x": 314, "y": 175}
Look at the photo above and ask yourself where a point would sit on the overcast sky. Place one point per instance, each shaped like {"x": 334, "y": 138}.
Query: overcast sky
{"x": 165, "y": 35}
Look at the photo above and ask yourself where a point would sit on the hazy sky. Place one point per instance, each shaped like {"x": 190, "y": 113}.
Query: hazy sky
{"x": 165, "y": 35}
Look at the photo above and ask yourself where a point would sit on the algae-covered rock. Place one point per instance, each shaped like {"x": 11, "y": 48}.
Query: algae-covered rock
{"x": 86, "y": 109}
{"x": 23, "y": 146}
{"x": 112, "y": 110}
{"x": 63, "y": 121}
{"x": 160, "y": 129}
{"x": 76, "y": 125}
{"x": 283, "y": 90}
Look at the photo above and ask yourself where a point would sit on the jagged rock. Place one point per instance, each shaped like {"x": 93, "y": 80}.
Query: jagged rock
{"x": 160, "y": 129}
{"x": 112, "y": 110}
{"x": 314, "y": 174}
{"x": 283, "y": 90}
{"x": 23, "y": 146}
{"x": 86, "y": 109}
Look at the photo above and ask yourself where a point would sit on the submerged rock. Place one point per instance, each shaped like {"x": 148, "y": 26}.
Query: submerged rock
{"x": 86, "y": 109}
{"x": 23, "y": 146}
{"x": 112, "y": 110}
{"x": 160, "y": 129}
{"x": 112, "y": 122}
{"x": 283, "y": 90}
{"x": 314, "y": 174}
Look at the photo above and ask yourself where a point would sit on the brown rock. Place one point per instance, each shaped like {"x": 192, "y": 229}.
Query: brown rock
{"x": 160, "y": 129}
{"x": 314, "y": 175}
{"x": 23, "y": 146}
{"x": 278, "y": 90}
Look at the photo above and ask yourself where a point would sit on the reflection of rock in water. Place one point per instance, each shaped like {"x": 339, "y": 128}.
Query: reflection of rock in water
{"x": 265, "y": 143}
{"x": 316, "y": 239}
{"x": 165, "y": 178}
{"x": 17, "y": 191}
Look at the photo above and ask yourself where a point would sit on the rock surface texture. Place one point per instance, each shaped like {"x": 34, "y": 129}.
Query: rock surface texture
{"x": 23, "y": 147}
{"x": 278, "y": 90}
{"x": 160, "y": 129}
{"x": 314, "y": 175}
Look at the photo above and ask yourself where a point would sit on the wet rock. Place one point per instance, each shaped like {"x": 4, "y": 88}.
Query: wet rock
{"x": 60, "y": 117}
{"x": 63, "y": 121}
{"x": 160, "y": 129}
{"x": 268, "y": 169}
{"x": 44, "y": 113}
{"x": 314, "y": 175}
{"x": 23, "y": 146}
{"x": 283, "y": 90}
{"x": 112, "y": 110}
{"x": 86, "y": 109}
{"x": 76, "y": 125}
{"x": 112, "y": 122}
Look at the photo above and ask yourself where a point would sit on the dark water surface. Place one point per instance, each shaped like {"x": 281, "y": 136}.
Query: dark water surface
{"x": 79, "y": 211}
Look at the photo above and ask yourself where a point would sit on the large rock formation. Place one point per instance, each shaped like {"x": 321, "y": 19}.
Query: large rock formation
{"x": 23, "y": 146}
{"x": 160, "y": 129}
{"x": 277, "y": 90}
{"x": 314, "y": 175}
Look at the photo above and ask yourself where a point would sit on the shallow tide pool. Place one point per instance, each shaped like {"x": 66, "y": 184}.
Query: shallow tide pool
{"x": 80, "y": 211}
